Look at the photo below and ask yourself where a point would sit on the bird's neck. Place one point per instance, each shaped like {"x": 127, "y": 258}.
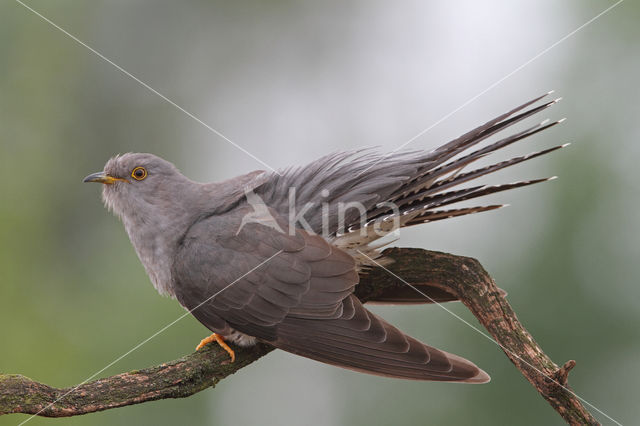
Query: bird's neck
{"x": 156, "y": 237}
{"x": 155, "y": 250}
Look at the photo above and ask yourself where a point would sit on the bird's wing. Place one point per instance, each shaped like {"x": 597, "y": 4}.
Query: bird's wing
{"x": 302, "y": 274}
{"x": 296, "y": 293}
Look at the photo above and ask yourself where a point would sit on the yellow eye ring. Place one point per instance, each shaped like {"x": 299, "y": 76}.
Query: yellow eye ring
{"x": 139, "y": 173}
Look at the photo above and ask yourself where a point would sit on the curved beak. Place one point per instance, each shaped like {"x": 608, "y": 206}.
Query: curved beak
{"x": 102, "y": 177}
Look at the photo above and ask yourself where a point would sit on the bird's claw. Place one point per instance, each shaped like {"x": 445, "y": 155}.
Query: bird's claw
{"x": 215, "y": 337}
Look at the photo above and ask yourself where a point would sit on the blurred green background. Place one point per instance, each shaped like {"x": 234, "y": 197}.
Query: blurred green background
{"x": 290, "y": 81}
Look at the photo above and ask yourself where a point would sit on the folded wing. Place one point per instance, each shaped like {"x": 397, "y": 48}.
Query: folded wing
{"x": 296, "y": 293}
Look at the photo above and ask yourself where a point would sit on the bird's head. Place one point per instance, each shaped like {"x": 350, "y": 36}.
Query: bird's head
{"x": 137, "y": 186}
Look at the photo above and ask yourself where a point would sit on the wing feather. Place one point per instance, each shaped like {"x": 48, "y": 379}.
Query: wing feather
{"x": 300, "y": 301}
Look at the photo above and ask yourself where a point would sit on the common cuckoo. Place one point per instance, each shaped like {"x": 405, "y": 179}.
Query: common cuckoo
{"x": 275, "y": 256}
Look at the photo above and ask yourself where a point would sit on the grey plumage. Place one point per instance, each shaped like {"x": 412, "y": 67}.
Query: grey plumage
{"x": 196, "y": 239}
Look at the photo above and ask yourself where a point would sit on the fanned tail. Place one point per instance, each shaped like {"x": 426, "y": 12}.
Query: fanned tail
{"x": 420, "y": 198}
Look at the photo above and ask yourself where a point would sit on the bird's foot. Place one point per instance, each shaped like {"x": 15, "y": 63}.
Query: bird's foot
{"x": 215, "y": 337}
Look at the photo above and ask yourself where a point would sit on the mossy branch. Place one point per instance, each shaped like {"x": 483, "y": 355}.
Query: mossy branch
{"x": 441, "y": 276}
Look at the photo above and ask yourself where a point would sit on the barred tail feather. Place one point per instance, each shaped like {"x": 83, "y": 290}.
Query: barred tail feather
{"x": 422, "y": 193}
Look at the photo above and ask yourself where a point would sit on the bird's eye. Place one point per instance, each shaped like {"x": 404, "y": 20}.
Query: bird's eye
{"x": 139, "y": 173}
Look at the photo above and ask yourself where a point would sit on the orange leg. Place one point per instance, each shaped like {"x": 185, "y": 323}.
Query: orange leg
{"x": 215, "y": 337}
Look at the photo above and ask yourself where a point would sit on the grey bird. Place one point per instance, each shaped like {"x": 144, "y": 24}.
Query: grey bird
{"x": 250, "y": 269}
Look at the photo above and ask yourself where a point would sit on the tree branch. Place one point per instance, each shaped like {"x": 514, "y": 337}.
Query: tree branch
{"x": 440, "y": 276}
{"x": 466, "y": 280}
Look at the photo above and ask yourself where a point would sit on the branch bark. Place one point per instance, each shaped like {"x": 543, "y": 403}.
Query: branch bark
{"x": 440, "y": 276}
